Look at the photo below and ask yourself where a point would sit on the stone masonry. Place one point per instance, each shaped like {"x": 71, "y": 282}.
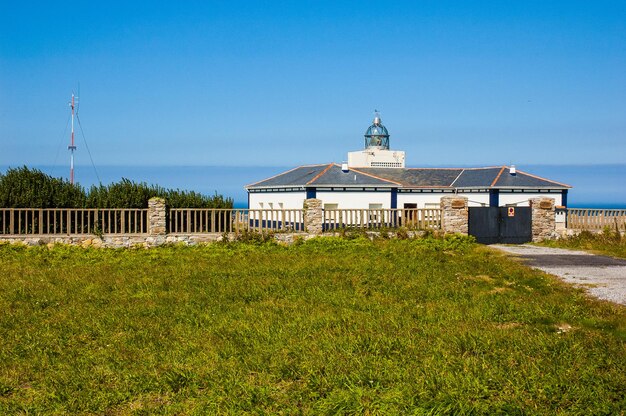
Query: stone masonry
{"x": 543, "y": 219}
{"x": 313, "y": 216}
{"x": 454, "y": 215}
{"x": 156, "y": 217}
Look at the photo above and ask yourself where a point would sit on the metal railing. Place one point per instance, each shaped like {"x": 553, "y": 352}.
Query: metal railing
{"x": 411, "y": 218}
{"x": 65, "y": 221}
{"x": 207, "y": 220}
{"x": 596, "y": 219}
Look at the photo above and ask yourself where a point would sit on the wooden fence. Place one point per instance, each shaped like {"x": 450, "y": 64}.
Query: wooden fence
{"x": 75, "y": 221}
{"x": 207, "y": 220}
{"x": 596, "y": 219}
{"x": 66, "y": 221}
{"x": 411, "y": 218}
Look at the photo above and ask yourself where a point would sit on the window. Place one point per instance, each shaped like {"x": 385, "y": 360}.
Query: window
{"x": 280, "y": 205}
{"x": 386, "y": 165}
{"x": 270, "y": 205}
{"x": 331, "y": 206}
{"x": 261, "y": 205}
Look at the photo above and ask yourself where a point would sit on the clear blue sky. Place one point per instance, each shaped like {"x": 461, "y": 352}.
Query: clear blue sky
{"x": 286, "y": 83}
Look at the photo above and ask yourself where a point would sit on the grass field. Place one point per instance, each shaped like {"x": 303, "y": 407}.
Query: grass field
{"x": 609, "y": 243}
{"x": 330, "y": 326}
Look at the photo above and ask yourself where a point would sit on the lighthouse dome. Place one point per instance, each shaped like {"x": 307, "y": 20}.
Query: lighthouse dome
{"x": 377, "y": 135}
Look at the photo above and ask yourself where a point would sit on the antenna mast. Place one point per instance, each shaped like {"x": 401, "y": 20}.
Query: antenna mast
{"x": 72, "y": 147}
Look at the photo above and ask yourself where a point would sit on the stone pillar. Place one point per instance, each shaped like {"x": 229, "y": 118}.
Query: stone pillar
{"x": 313, "y": 216}
{"x": 543, "y": 218}
{"x": 454, "y": 215}
{"x": 156, "y": 216}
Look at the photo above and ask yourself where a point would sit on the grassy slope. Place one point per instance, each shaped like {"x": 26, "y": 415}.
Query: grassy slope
{"x": 608, "y": 243}
{"x": 329, "y": 326}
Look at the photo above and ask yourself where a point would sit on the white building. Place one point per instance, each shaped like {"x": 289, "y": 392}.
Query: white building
{"x": 376, "y": 177}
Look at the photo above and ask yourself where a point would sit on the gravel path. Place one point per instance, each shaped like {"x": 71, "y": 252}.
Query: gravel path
{"x": 602, "y": 277}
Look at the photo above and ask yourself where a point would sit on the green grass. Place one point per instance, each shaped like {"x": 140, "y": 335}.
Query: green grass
{"x": 329, "y": 326}
{"x": 609, "y": 243}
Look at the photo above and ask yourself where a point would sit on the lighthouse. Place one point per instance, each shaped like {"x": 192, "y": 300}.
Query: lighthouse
{"x": 376, "y": 153}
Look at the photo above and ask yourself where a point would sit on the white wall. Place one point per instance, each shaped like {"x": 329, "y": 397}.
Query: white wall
{"x": 370, "y": 157}
{"x": 522, "y": 199}
{"x": 290, "y": 200}
{"x": 476, "y": 199}
{"x": 352, "y": 200}
{"x": 419, "y": 199}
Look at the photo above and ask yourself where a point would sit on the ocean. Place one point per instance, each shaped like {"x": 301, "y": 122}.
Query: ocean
{"x": 594, "y": 186}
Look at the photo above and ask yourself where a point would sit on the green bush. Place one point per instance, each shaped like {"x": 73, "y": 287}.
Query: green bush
{"x": 129, "y": 194}
{"x": 31, "y": 188}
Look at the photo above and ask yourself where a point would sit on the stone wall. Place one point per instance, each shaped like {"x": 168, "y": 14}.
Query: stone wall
{"x": 543, "y": 219}
{"x": 116, "y": 241}
{"x": 156, "y": 217}
{"x": 145, "y": 241}
{"x": 454, "y": 215}
{"x": 313, "y": 216}
{"x": 157, "y": 232}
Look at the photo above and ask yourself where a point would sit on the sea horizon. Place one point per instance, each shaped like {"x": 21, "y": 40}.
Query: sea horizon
{"x": 594, "y": 186}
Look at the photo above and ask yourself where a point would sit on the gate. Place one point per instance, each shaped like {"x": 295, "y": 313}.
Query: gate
{"x": 506, "y": 225}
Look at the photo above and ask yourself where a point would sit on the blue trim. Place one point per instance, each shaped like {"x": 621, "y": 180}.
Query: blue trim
{"x": 494, "y": 197}
{"x": 310, "y": 193}
{"x": 394, "y": 198}
{"x": 248, "y": 201}
{"x": 564, "y": 198}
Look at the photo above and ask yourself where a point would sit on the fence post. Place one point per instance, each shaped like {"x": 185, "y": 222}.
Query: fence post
{"x": 156, "y": 217}
{"x": 454, "y": 214}
{"x": 313, "y": 216}
{"x": 543, "y": 218}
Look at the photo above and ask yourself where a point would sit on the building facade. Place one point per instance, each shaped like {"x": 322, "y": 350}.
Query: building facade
{"x": 376, "y": 177}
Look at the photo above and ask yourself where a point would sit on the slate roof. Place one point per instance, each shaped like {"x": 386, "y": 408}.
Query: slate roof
{"x": 526, "y": 180}
{"x": 472, "y": 178}
{"x": 416, "y": 177}
{"x": 321, "y": 175}
{"x": 295, "y": 177}
{"x": 406, "y": 178}
{"x": 335, "y": 176}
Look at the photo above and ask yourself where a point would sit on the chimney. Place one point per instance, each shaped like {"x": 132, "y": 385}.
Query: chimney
{"x": 512, "y": 170}
{"x": 344, "y": 167}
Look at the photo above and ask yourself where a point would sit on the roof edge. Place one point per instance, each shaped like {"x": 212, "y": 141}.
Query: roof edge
{"x": 544, "y": 179}
{"x": 498, "y": 176}
{"x": 283, "y": 173}
{"x": 330, "y": 165}
{"x": 377, "y": 177}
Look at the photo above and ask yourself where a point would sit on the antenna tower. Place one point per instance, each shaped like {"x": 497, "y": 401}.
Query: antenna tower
{"x": 72, "y": 146}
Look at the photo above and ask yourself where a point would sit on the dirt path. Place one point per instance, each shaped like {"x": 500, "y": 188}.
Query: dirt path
{"x": 602, "y": 277}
